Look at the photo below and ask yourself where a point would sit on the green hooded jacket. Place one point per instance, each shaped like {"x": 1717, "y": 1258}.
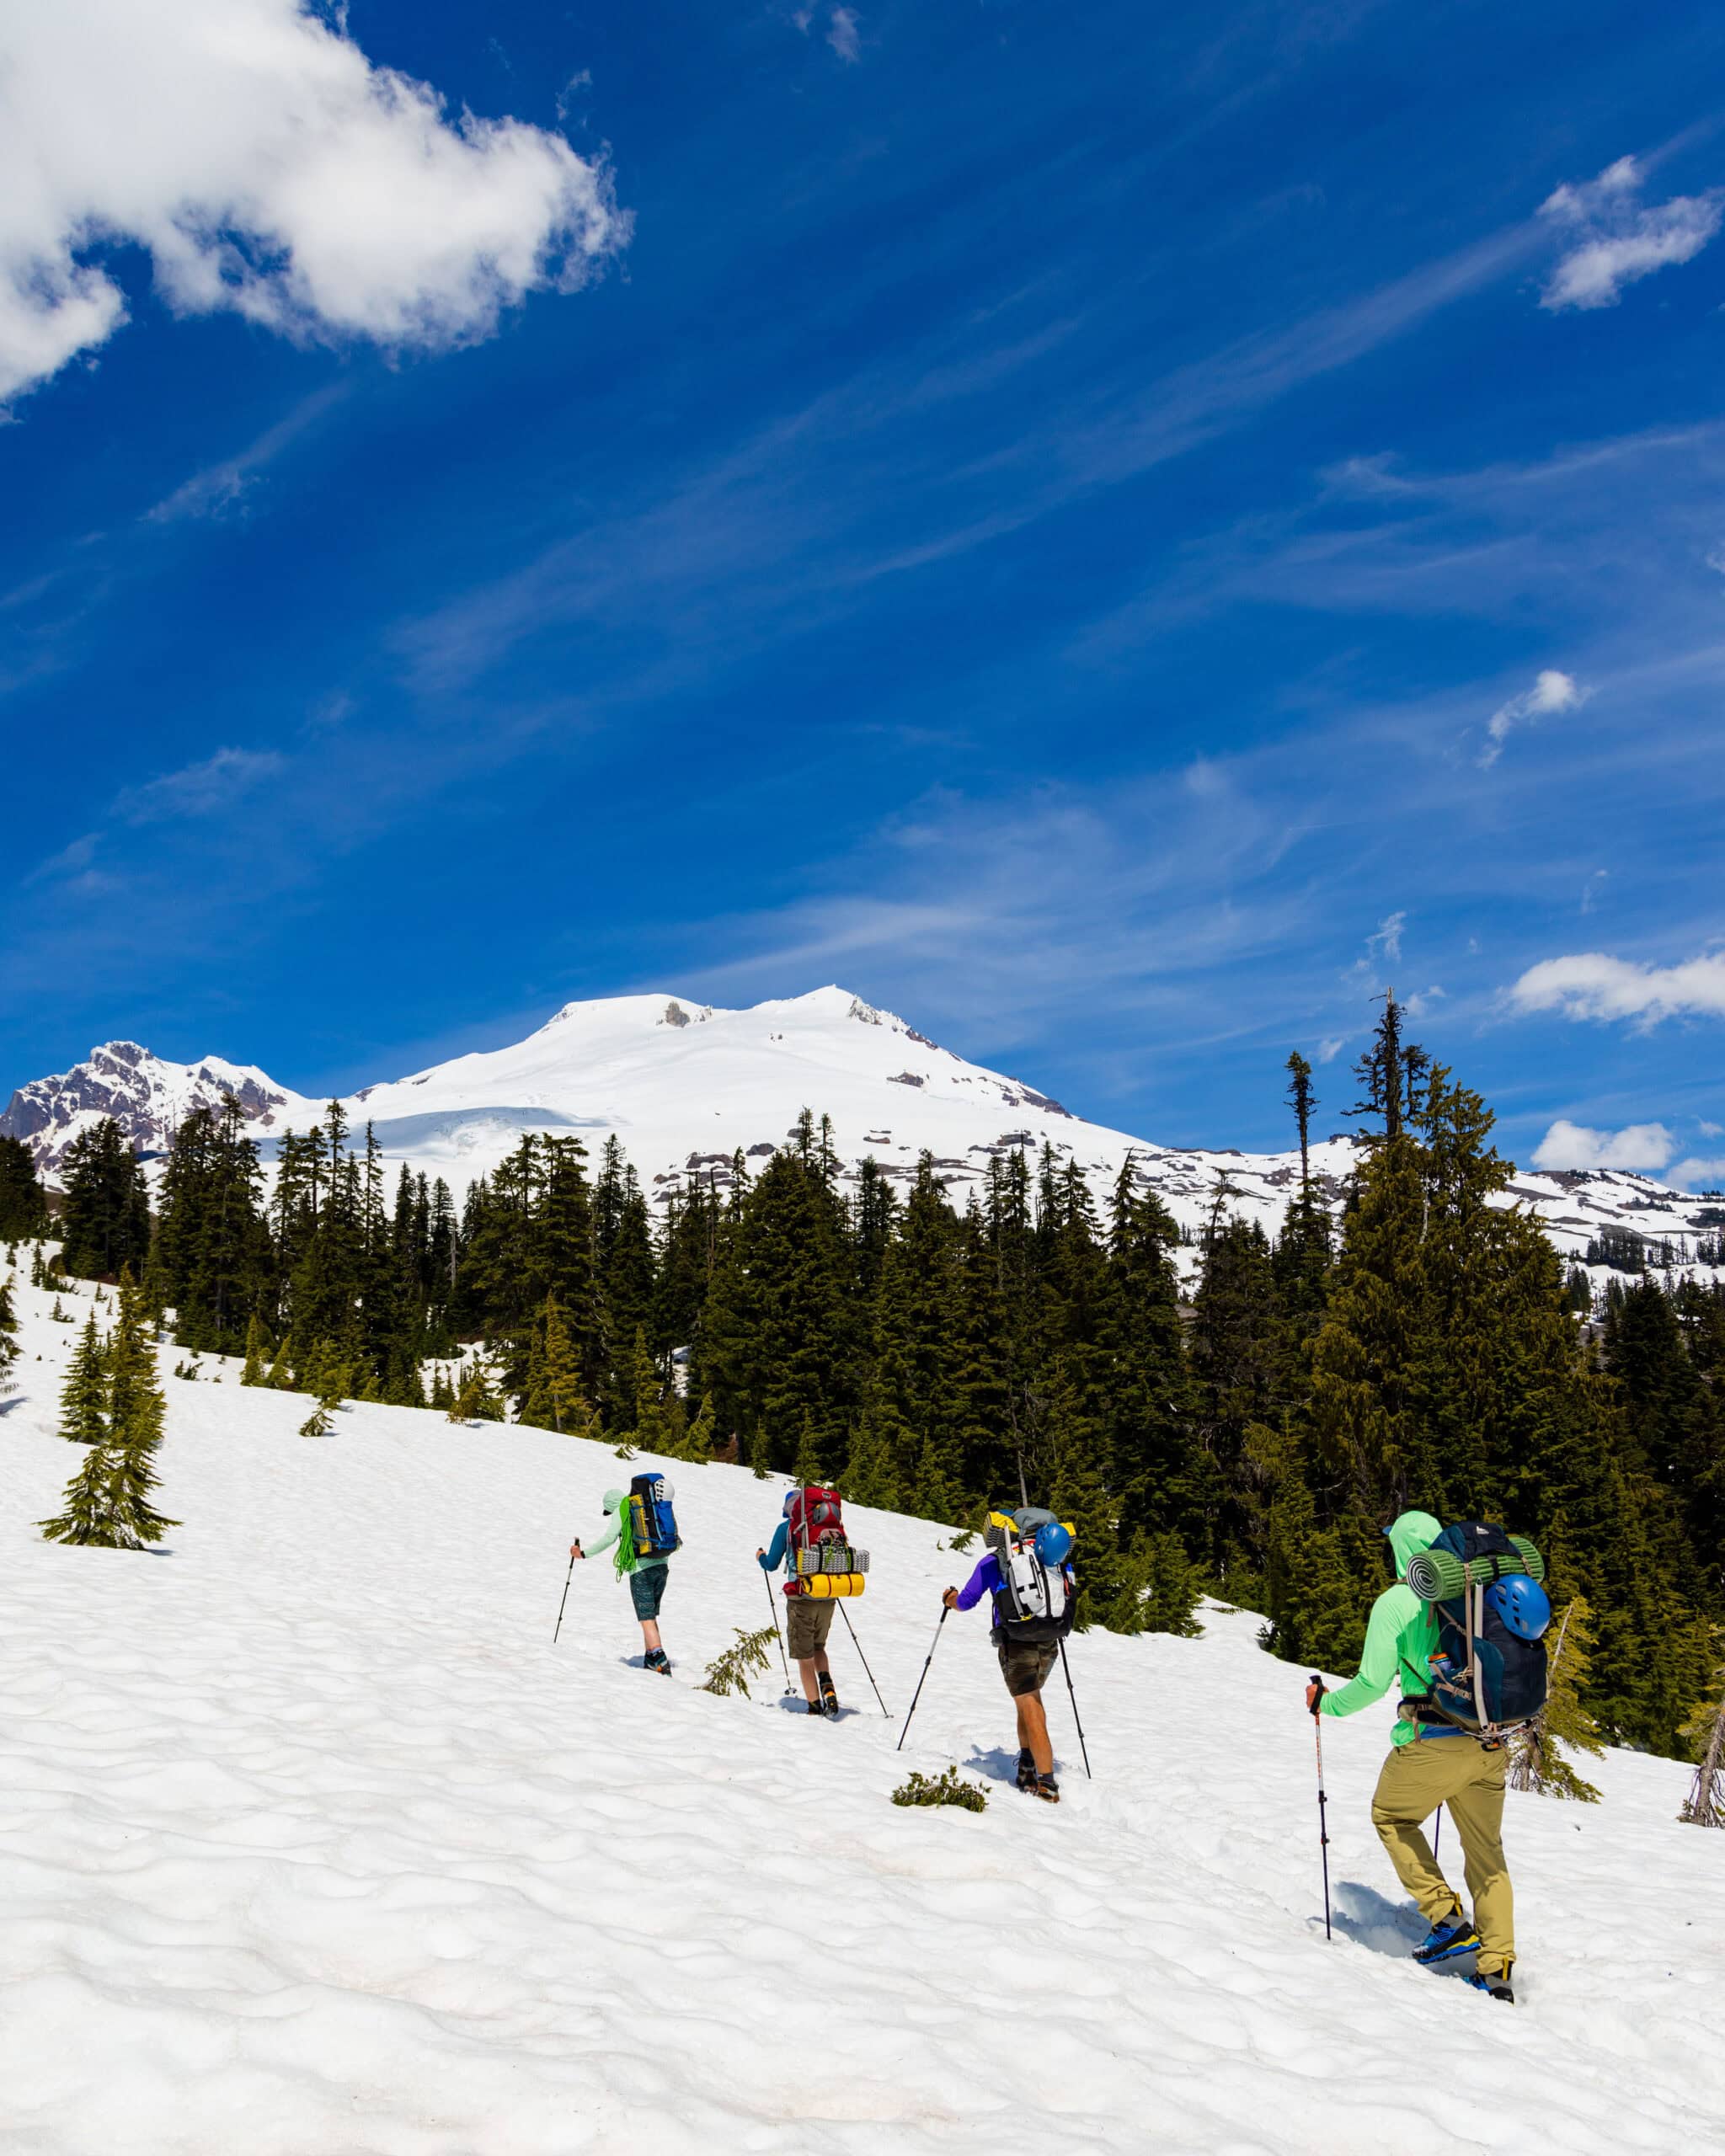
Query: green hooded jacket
{"x": 1400, "y": 1636}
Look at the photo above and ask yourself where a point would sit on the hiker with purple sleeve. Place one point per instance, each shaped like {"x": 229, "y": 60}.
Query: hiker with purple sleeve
{"x": 1028, "y": 1572}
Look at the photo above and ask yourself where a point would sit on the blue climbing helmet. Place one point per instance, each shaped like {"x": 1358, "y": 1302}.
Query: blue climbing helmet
{"x": 1521, "y": 1603}
{"x": 1053, "y": 1544}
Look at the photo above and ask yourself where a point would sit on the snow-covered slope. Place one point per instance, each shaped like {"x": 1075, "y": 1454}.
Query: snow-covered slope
{"x": 312, "y": 1844}
{"x": 149, "y": 1098}
{"x": 683, "y": 1086}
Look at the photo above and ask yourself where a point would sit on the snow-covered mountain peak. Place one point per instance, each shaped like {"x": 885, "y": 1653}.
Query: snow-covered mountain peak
{"x": 148, "y": 1097}
{"x": 686, "y": 1086}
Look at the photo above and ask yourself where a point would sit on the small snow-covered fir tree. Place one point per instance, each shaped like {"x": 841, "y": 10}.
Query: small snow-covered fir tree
{"x": 322, "y": 1419}
{"x": 476, "y": 1399}
{"x": 83, "y": 1397}
{"x": 1535, "y": 1762}
{"x": 257, "y": 1363}
{"x": 1705, "y": 1804}
{"x": 137, "y": 1409}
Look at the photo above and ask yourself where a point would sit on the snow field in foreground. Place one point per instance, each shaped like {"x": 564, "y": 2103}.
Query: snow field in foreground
{"x": 313, "y": 1844}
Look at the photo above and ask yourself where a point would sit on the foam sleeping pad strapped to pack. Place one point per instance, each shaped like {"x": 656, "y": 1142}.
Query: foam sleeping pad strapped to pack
{"x": 831, "y": 1557}
{"x": 1440, "y": 1576}
{"x": 827, "y": 1587}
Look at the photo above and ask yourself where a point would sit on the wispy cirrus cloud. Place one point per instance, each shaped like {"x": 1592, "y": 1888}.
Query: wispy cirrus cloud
{"x": 1611, "y": 237}
{"x": 208, "y": 788}
{"x": 222, "y": 488}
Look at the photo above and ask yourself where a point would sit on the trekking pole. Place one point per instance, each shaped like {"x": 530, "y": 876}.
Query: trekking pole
{"x": 563, "y": 1604}
{"x": 862, "y": 1657}
{"x": 1323, "y": 1830}
{"x": 773, "y": 1607}
{"x": 1073, "y": 1696}
{"x": 920, "y": 1681}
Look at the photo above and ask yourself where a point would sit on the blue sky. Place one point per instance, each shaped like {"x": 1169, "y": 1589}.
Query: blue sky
{"x": 1115, "y": 532}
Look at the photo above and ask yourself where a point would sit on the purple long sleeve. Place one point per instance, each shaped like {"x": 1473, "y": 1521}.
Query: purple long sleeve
{"x": 985, "y": 1580}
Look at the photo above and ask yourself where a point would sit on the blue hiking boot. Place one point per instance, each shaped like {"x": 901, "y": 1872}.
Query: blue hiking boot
{"x": 1495, "y": 1985}
{"x": 1444, "y": 1941}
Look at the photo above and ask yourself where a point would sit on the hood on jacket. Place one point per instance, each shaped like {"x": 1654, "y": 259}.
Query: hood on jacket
{"x": 613, "y": 1498}
{"x": 1408, "y": 1535}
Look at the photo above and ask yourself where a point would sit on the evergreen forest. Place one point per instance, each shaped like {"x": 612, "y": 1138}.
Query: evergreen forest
{"x": 1249, "y": 1433}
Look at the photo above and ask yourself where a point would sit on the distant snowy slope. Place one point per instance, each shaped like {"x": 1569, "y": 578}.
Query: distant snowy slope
{"x": 684, "y": 1087}
{"x": 310, "y": 1842}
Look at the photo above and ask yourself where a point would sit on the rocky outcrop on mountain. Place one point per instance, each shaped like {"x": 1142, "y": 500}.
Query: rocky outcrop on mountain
{"x": 147, "y": 1097}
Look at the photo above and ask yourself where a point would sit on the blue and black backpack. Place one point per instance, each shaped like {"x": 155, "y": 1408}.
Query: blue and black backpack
{"x": 652, "y": 1525}
{"x": 1488, "y": 1678}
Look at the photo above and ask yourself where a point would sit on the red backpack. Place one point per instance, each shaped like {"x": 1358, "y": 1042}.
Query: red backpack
{"x": 823, "y": 1563}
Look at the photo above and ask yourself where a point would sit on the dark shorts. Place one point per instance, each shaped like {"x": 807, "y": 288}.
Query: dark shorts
{"x": 807, "y": 1624}
{"x": 646, "y": 1589}
{"x": 1026, "y": 1668}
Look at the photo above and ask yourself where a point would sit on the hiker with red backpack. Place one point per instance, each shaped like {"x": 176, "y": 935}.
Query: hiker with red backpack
{"x": 1462, "y": 1627}
{"x": 821, "y": 1569}
{"x": 644, "y": 1529}
{"x": 1026, "y": 1569}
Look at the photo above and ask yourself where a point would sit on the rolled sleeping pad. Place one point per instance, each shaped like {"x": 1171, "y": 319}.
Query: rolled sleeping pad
{"x": 825, "y": 1587}
{"x": 1437, "y": 1575}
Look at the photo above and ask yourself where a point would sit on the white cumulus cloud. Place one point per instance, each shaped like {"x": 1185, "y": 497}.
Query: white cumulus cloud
{"x": 267, "y": 167}
{"x": 1611, "y": 237}
{"x": 1698, "y": 1175}
{"x": 1573, "y": 1146}
{"x": 1590, "y": 985}
{"x": 1551, "y": 691}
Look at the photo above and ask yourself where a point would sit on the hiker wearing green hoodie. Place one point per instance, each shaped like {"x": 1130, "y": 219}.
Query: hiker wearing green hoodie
{"x": 646, "y": 1575}
{"x": 1432, "y": 1762}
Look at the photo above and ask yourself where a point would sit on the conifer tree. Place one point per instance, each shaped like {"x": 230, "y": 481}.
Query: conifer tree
{"x": 257, "y": 1353}
{"x": 322, "y": 1419}
{"x": 475, "y": 1400}
{"x": 106, "y": 1222}
{"x": 84, "y": 1395}
{"x": 1535, "y": 1762}
{"x": 8, "y": 1337}
{"x": 90, "y": 1519}
{"x": 135, "y": 1412}
{"x": 23, "y": 1203}
{"x": 553, "y": 1400}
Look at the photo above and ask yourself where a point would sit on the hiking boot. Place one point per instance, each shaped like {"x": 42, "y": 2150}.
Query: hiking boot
{"x": 1444, "y": 1941}
{"x": 815, "y": 1707}
{"x": 658, "y": 1660}
{"x": 1027, "y": 1769}
{"x": 1047, "y": 1788}
{"x": 1497, "y": 1985}
{"x": 829, "y": 1695}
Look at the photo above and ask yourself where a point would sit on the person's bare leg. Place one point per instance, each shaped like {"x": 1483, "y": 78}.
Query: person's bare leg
{"x": 1032, "y": 1732}
{"x": 650, "y": 1633}
{"x": 811, "y": 1683}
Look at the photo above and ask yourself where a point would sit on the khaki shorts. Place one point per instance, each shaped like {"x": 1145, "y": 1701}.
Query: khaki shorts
{"x": 1026, "y": 1668}
{"x": 807, "y": 1624}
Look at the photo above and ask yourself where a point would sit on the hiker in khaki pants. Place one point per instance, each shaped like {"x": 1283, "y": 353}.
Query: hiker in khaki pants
{"x": 1432, "y": 1762}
